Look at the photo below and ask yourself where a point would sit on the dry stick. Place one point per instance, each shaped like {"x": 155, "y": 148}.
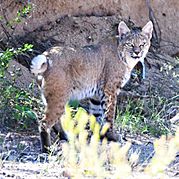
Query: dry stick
{"x": 9, "y": 35}
{"x": 5, "y": 31}
{"x": 156, "y": 31}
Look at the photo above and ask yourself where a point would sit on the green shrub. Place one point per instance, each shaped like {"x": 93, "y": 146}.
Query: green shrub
{"x": 15, "y": 104}
{"x": 8, "y": 55}
{"x": 145, "y": 116}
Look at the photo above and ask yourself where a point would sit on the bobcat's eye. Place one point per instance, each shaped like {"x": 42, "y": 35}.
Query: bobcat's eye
{"x": 129, "y": 44}
{"x": 142, "y": 45}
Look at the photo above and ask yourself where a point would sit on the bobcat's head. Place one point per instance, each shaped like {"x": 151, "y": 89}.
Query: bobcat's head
{"x": 134, "y": 44}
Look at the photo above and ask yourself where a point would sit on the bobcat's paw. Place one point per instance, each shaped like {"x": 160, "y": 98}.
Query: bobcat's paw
{"x": 111, "y": 135}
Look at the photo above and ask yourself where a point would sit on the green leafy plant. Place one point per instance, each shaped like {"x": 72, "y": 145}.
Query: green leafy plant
{"x": 17, "y": 107}
{"x": 15, "y": 103}
{"x": 144, "y": 116}
{"x": 8, "y": 55}
{"x": 21, "y": 14}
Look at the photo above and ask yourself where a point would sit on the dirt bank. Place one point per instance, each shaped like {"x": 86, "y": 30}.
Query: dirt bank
{"x": 165, "y": 12}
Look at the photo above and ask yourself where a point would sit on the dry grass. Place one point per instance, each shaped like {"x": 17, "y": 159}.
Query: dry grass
{"x": 88, "y": 157}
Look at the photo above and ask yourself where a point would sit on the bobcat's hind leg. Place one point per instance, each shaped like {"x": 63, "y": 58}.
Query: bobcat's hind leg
{"x": 44, "y": 136}
{"x": 54, "y": 111}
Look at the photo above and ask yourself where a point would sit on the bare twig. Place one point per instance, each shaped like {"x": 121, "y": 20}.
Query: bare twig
{"x": 5, "y": 31}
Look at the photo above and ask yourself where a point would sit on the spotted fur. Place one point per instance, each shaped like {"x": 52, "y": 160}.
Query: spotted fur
{"x": 98, "y": 71}
{"x": 131, "y": 42}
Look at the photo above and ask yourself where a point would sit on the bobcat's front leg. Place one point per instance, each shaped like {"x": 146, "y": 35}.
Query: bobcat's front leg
{"x": 108, "y": 103}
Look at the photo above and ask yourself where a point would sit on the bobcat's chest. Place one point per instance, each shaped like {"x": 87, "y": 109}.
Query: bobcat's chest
{"x": 126, "y": 79}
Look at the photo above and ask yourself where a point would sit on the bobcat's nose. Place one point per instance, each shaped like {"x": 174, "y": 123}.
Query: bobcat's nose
{"x": 136, "y": 50}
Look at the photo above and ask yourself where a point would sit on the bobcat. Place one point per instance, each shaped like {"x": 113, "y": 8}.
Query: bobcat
{"x": 100, "y": 70}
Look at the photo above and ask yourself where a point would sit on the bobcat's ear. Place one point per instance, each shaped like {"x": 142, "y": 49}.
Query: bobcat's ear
{"x": 147, "y": 29}
{"x": 122, "y": 28}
